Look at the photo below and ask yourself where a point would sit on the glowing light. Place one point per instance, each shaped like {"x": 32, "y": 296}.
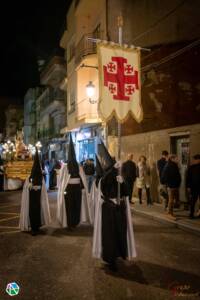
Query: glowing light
{"x": 90, "y": 89}
{"x": 38, "y": 144}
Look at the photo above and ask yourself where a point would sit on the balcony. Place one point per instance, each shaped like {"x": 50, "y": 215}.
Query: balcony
{"x": 86, "y": 112}
{"x": 47, "y": 134}
{"x": 54, "y": 71}
{"x": 84, "y": 47}
{"x": 51, "y": 100}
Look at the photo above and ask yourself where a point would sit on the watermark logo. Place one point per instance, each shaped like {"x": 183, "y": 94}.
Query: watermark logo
{"x": 12, "y": 289}
{"x": 182, "y": 290}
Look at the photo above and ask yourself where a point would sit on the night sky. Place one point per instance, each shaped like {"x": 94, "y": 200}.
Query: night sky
{"x": 30, "y": 30}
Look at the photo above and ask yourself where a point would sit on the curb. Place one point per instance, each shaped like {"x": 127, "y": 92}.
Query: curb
{"x": 165, "y": 221}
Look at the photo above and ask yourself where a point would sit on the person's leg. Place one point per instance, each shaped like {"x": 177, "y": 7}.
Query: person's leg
{"x": 140, "y": 195}
{"x": 131, "y": 190}
{"x": 166, "y": 198}
{"x": 176, "y": 198}
{"x": 194, "y": 197}
{"x": 129, "y": 184}
{"x": 148, "y": 195}
{"x": 171, "y": 201}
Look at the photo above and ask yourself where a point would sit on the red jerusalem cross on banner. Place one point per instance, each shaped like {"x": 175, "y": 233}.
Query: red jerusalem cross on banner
{"x": 120, "y": 78}
{"x": 119, "y": 73}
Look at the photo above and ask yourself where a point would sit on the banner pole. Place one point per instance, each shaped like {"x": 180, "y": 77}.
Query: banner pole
{"x": 120, "y": 36}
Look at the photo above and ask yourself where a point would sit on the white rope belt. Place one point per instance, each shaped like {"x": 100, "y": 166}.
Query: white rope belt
{"x": 114, "y": 200}
{"x": 36, "y": 187}
{"x": 74, "y": 181}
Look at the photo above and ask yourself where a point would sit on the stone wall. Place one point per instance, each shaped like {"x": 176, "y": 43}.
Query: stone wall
{"x": 151, "y": 144}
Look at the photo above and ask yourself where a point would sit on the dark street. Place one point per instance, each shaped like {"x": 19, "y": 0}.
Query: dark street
{"x": 58, "y": 264}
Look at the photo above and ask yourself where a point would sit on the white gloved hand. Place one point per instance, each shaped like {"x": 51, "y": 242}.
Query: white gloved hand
{"x": 30, "y": 185}
{"x": 119, "y": 179}
{"x": 118, "y": 164}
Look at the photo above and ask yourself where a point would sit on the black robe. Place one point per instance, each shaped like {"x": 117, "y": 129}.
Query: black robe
{"x": 1, "y": 182}
{"x": 73, "y": 198}
{"x": 35, "y": 209}
{"x": 1, "y": 178}
{"x": 114, "y": 219}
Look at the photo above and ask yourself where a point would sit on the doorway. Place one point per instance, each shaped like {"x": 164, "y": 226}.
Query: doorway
{"x": 180, "y": 145}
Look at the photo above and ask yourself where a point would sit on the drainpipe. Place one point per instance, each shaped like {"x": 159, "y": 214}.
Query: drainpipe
{"x": 107, "y": 31}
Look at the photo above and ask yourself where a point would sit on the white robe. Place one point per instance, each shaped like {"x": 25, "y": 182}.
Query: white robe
{"x": 93, "y": 199}
{"x": 97, "y": 234}
{"x": 85, "y": 216}
{"x": 24, "y": 221}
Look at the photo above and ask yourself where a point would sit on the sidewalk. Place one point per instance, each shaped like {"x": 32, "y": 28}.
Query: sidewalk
{"x": 156, "y": 212}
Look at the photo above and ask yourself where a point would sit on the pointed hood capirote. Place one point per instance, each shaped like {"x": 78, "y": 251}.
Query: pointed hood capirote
{"x": 71, "y": 151}
{"x": 107, "y": 161}
{"x": 99, "y": 170}
{"x": 72, "y": 163}
{"x": 36, "y": 172}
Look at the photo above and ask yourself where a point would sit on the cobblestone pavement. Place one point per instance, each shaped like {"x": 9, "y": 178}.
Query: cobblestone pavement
{"x": 57, "y": 265}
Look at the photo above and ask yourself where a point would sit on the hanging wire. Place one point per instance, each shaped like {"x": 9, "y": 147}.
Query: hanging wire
{"x": 187, "y": 29}
{"x": 171, "y": 56}
{"x": 164, "y": 17}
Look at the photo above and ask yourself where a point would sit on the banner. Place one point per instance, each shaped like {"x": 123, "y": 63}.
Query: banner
{"x": 119, "y": 79}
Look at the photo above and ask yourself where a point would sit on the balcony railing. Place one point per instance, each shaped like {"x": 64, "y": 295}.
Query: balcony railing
{"x": 47, "y": 134}
{"x": 85, "y": 110}
{"x": 84, "y": 47}
{"x": 49, "y": 96}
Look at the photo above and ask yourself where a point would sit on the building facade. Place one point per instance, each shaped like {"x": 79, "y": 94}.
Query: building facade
{"x": 50, "y": 109}
{"x": 29, "y": 129}
{"x": 14, "y": 121}
{"x": 169, "y": 77}
{"x": 85, "y": 19}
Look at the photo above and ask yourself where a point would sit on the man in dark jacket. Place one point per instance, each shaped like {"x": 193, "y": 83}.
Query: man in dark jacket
{"x": 172, "y": 178}
{"x": 193, "y": 182}
{"x": 129, "y": 174}
{"x": 89, "y": 170}
{"x": 161, "y": 163}
{"x": 160, "y": 166}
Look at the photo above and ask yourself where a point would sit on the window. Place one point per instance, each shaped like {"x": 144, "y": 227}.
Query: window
{"x": 72, "y": 102}
{"x": 71, "y": 51}
{"x": 97, "y": 32}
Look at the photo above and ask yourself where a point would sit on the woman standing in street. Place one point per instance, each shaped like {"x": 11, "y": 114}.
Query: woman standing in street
{"x": 143, "y": 179}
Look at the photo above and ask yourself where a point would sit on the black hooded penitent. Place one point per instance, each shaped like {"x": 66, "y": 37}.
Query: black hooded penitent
{"x": 73, "y": 193}
{"x": 114, "y": 221}
{"x": 36, "y": 172}
{"x": 72, "y": 164}
{"x": 35, "y": 194}
{"x": 107, "y": 161}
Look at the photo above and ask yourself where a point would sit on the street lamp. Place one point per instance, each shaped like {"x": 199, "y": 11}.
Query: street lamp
{"x": 90, "y": 90}
{"x": 39, "y": 146}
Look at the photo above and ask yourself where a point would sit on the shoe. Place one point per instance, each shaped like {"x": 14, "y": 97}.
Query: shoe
{"x": 113, "y": 267}
{"x": 33, "y": 232}
{"x": 172, "y": 217}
